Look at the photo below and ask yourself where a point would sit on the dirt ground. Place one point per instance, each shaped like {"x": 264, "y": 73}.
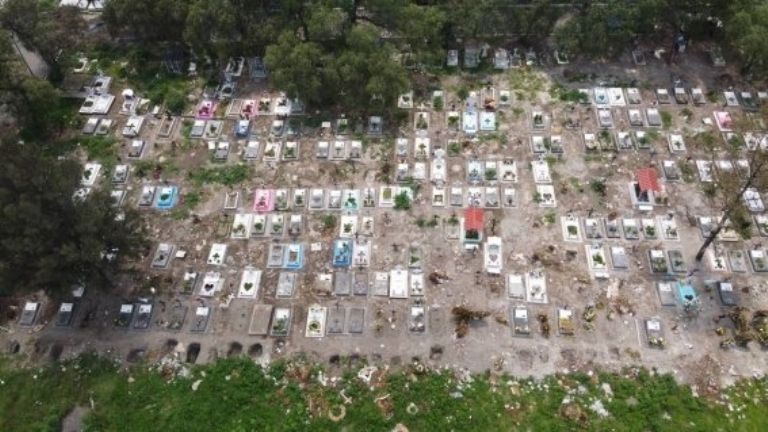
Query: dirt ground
{"x": 530, "y": 241}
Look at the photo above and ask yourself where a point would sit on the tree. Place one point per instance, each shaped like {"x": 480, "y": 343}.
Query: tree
{"x": 297, "y": 67}
{"x": 46, "y": 29}
{"x": 50, "y": 240}
{"x": 730, "y": 185}
{"x": 34, "y": 102}
{"x": 147, "y": 20}
{"x": 747, "y": 31}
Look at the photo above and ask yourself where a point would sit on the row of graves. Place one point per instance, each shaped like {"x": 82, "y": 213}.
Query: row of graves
{"x": 501, "y": 58}
{"x": 612, "y": 107}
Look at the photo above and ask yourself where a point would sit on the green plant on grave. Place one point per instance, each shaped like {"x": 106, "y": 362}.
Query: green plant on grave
{"x": 437, "y": 103}
{"x": 402, "y": 201}
{"x": 650, "y": 231}
{"x": 598, "y": 259}
{"x": 329, "y": 221}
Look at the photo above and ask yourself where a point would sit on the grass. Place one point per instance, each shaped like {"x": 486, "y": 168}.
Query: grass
{"x": 100, "y": 148}
{"x": 189, "y": 201}
{"x": 226, "y": 175}
{"x": 237, "y": 394}
{"x": 666, "y": 119}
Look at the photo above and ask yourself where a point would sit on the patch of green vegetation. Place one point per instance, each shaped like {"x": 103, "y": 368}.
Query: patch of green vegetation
{"x": 37, "y": 399}
{"x": 594, "y": 157}
{"x": 402, "y": 201}
{"x": 568, "y": 95}
{"x": 437, "y": 103}
{"x": 709, "y": 189}
{"x": 576, "y": 183}
{"x": 686, "y": 171}
{"x": 598, "y": 186}
{"x": 551, "y": 160}
{"x": 454, "y": 149}
{"x": 189, "y": 201}
{"x": 549, "y": 217}
{"x": 462, "y": 93}
{"x": 226, "y": 175}
{"x": 526, "y": 81}
{"x": 145, "y": 168}
{"x": 329, "y": 221}
{"x": 666, "y": 119}
{"x": 100, "y": 148}
{"x": 423, "y": 222}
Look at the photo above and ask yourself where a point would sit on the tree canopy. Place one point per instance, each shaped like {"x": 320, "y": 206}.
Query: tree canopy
{"x": 50, "y": 240}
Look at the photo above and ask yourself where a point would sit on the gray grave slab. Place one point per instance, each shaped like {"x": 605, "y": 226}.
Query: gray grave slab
{"x": 619, "y": 259}
{"x": 29, "y": 314}
{"x": 342, "y": 283}
{"x": 738, "y": 261}
{"x": 177, "y": 315}
{"x": 64, "y": 315}
{"x": 417, "y": 319}
{"x": 125, "y": 315}
{"x": 516, "y": 287}
{"x": 143, "y": 316}
{"x": 653, "y": 329}
{"x": 381, "y": 287}
{"x": 521, "y": 321}
{"x": 666, "y": 293}
{"x": 337, "y": 317}
{"x": 281, "y": 321}
{"x": 275, "y": 257}
{"x": 727, "y": 294}
{"x": 612, "y": 229}
{"x": 162, "y": 255}
{"x": 759, "y": 264}
{"x": 360, "y": 285}
{"x": 676, "y": 261}
{"x": 260, "y": 317}
{"x": 200, "y": 319}
{"x": 286, "y": 284}
{"x": 356, "y": 320}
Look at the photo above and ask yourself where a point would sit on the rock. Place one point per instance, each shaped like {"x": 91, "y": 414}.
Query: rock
{"x": 607, "y": 390}
{"x": 196, "y": 384}
{"x": 598, "y": 408}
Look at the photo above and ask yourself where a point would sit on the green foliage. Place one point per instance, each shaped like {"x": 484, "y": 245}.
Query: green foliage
{"x": 308, "y": 70}
{"x": 666, "y": 119}
{"x": 189, "y": 201}
{"x": 598, "y": 186}
{"x": 490, "y": 174}
{"x": 402, "y": 201}
{"x": 50, "y": 239}
{"x": 329, "y": 221}
{"x": 572, "y": 95}
{"x": 437, "y": 103}
{"x": 100, "y": 148}
{"x": 152, "y": 401}
{"x": 454, "y": 149}
{"x": 549, "y": 217}
{"x": 423, "y": 222}
{"x": 747, "y": 30}
{"x": 462, "y": 93}
{"x": 226, "y": 175}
